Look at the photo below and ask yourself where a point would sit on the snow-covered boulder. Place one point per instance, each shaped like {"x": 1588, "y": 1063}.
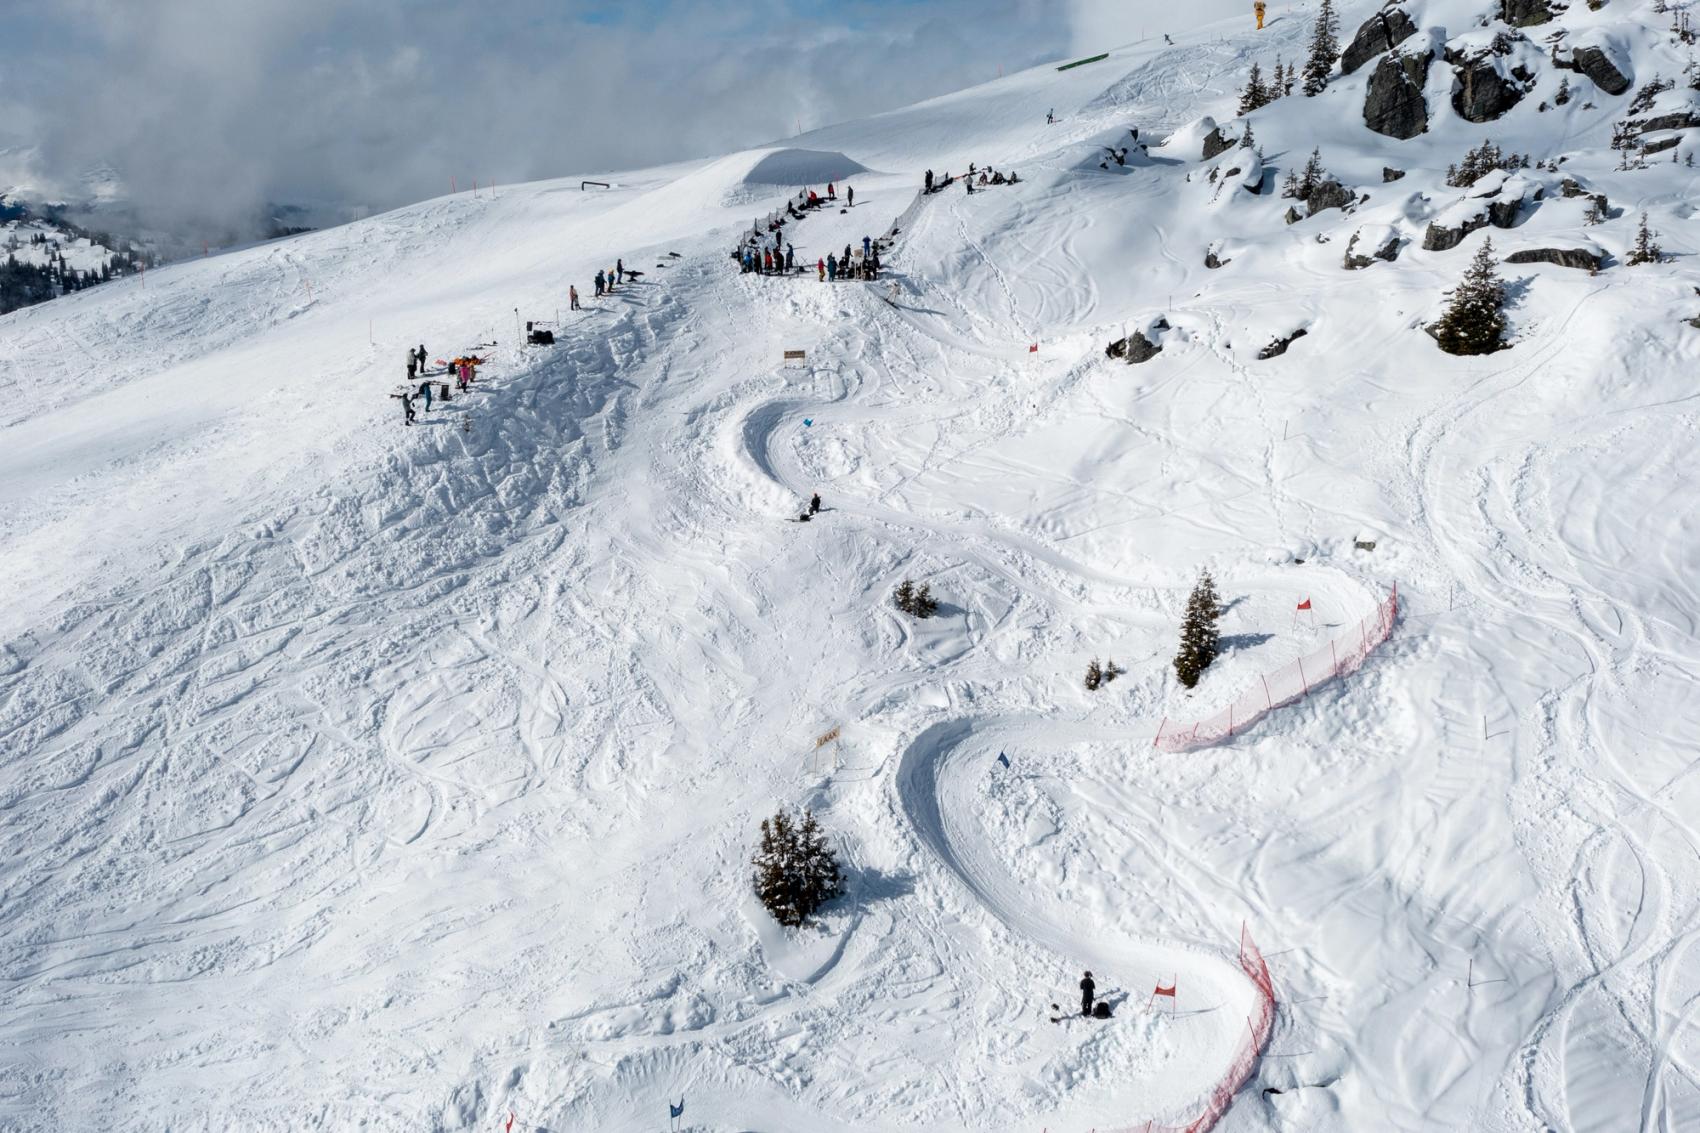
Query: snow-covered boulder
{"x": 1143, "y": 344}
{"x": 1601, "y": 62}
{"x": 1370, "y": 243}
{"x": 1528, "y": 13}
{"x": 1589, "y": 258}
{"x": 1487, "y": 85}
{"x": 1498, "y": 199}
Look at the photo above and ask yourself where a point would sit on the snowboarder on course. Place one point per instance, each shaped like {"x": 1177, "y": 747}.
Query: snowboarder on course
{"x": 1087, "y": 987}
{"x": 814, "y": 503}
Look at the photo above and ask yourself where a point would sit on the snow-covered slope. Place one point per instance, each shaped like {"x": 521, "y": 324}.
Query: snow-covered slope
{"x": 405, "y": 778}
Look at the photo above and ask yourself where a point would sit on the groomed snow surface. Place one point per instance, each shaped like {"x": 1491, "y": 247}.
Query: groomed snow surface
{"x": 362, "y": 776}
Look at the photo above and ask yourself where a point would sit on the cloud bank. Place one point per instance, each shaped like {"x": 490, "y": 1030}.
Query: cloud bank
{"x": 207, "y": 108}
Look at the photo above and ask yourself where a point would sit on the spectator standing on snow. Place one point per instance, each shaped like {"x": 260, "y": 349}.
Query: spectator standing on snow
{"x": 867, "y": 248}
{"x": 425, "y": 392}
{"x": 929, "y": 180}
{"x": 814, "y": 503}
{"x": 831, "y": 266}
{"x": 572, "y": 296}
{"x": 1087, "y": 987}
{"x": 412, "y": 364}
{"x": 820, "y": 266}
{"x": 790, "y": 263}
{"x": 1050, "y": 117}
{"x": 599, "y": 282}
{"x": 406, "y": 406}
{"x": 422, "y": 357}
{"x": 850, "y": 196}
{"x": 831, "y": 192}
{"x": 620, "y": 270}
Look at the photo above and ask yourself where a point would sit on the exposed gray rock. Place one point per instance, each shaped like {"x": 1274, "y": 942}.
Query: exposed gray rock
{"x": 1661, "y": 145}
{"x": 1279, "y": 346}
{"x": 1483, "y": 94}
{"x": 1680, "y": 120}
{"x": 1381, "y": 32}
{"x": 1525, "y": 13}
{"x": 1215, "y": 143}
{"x": 1393, "y": 104}
{"x": 1563, "y": 257}
{"x": 1597, "y": 65}
{"x": 1136, "y": 347}
{"x": 1355, "y": 260}
{"x": 1438, "y": 237}
{"x": 1293, "y": 216}
{"x": 1504, "y": 212}
{"x": 1388, "y": 173}
{"x": 1328, "y": 195}
{"x": 1570, "y": 187}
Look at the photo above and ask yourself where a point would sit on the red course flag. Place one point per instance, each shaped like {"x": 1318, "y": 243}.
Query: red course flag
{"x": 1305, "y": 605}
{"x": 1034, "y": 349}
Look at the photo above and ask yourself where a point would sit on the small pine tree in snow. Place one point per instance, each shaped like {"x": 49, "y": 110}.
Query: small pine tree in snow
{"x": 1246, "y": 140}
{"x": 1279, "y": 84}
{"x": 1290, "y": 187}
{"x": 1324, "y": 50}
{"x": 1094, "y": 675}
{"x": 1255, "y": 93}
{"x": 1645, "y": 250}
{"x": 1312, "y": 175}
{"x": 1200, "y": 639}
{"x": 916, "y": 601}
{"x": 1563, "y": 95}
{"x": 1474, "y": 322}
{"x": 1596, "y": 213}
{"x": 796, "y": 872}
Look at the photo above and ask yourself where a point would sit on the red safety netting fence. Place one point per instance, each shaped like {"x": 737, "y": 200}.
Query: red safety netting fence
{"x": 1258, "y": 1026}
{"x": 1287, "y": 684}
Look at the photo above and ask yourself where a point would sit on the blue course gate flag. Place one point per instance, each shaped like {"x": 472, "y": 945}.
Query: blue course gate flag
{"x": 676, "y": 1110}
{"x": 1003, "y": 759}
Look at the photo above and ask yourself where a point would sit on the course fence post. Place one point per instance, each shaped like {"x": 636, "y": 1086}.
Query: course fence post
{"x": 1304, "y": 680}
{"x": 1334, "y": 654}
{"x": 1267, "y": 701}
{"x": 1157, "y": 741}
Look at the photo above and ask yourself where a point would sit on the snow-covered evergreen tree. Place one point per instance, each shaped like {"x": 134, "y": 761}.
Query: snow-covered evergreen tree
{"x": 1324, "y": 50}
{"x": 796, "y": 872}
{"x": 1646, "y": 251}
{"x": 1094, "y": 675}
{"x": 1255, "y": 93}
{"x": 1200, "y": 639}
{"x": 1474, "y": 322}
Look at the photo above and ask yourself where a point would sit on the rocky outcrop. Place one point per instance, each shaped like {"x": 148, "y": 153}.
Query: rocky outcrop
{"x": 1526, "y": 13}
{"x": 1383, "y": 31}
{"x": 1393, "y": 104}
{"x": 1679, "y": 120}
{"x": 1501, "y": 207}
{"x": 1595, "y": 63}
{"x": 1279, "y": 347}
{"x": 1483, "y": 94}
{"x": 1563, "y": 257}
{"x": 1388, "y": 173}
{"x": 1387, "y": 251}
{"x": 1292, "y": 215}
{"x": 1215, "y": 143}
{"x": 1661, "y": 145}
{"x": 1328, "y": 195}
{"x": 1136, "y": 347}
{"x": 1439, "y": 237}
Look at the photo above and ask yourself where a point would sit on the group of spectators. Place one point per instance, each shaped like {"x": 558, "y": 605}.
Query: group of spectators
{"x": 976, "y": 175}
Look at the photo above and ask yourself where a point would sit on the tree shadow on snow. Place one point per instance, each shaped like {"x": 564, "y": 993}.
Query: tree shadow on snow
{"x": 878, "y": 885}
{"x": 1240, "y": 601}
{"x": 1244, "y": 640}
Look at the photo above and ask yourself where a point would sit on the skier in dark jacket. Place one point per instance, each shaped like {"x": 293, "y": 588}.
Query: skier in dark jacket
{"x": 849, "y": 196}
{"x": 831, "y": 266}
{"x": 599, "y": 282}
{"x": 929, "y": 180}
{"x": 1087, "y": 987}
{"x": 790, "y": 261}
{"x": 867, "y": 248}
{"x": 814, "y": 503}
{"x": 620, "y": 270}
{"x": 422, "y": 357}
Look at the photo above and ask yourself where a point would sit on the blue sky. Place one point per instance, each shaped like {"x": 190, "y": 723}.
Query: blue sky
{"x": 212, "y": 105}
